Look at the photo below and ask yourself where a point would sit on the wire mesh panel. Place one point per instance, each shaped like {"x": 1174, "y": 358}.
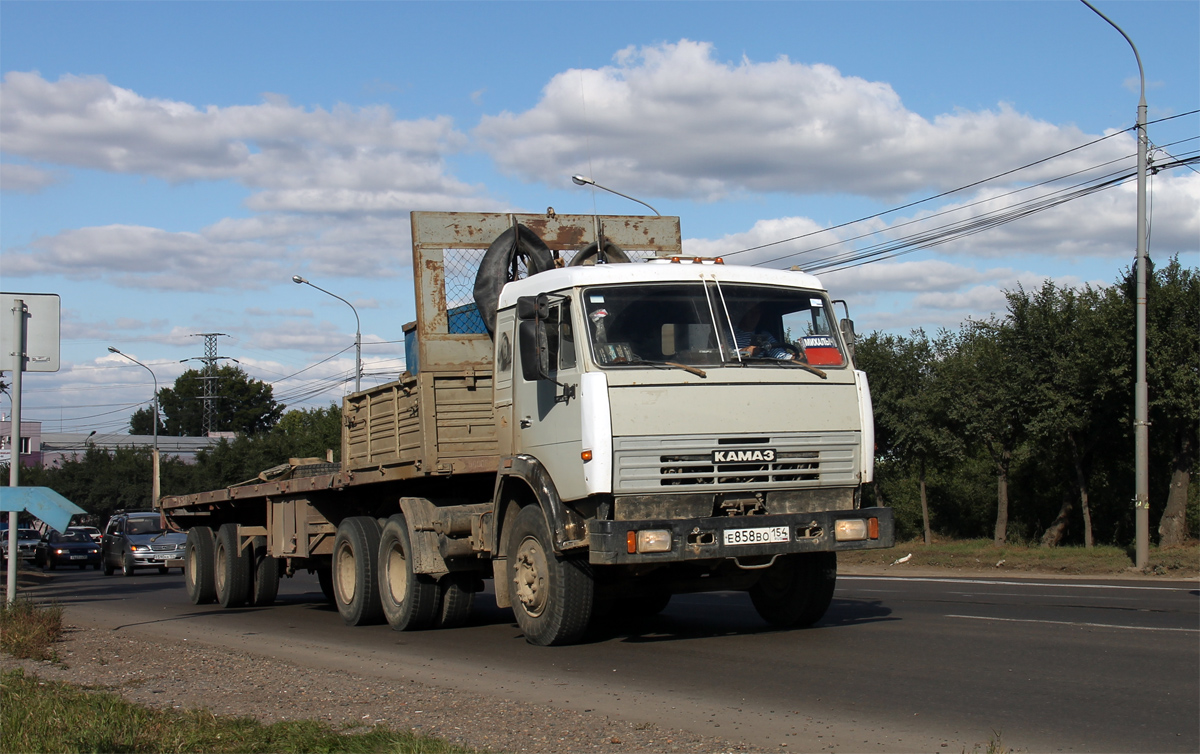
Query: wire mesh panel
{"x": 460, "y": 267}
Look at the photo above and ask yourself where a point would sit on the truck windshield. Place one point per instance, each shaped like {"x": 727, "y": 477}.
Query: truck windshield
{"x": 703, "y": 324}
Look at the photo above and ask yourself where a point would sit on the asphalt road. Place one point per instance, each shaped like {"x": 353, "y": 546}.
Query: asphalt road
{"x": 898, "y": 664}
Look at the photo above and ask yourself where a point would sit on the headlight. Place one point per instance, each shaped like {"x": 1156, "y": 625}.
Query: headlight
{"x": 850, "y": 529}
{"x": 60, "y": 552}
{"x": 649, "y": 540}
{"x": 856, "y": 529}
{"x": 140, "y": 548}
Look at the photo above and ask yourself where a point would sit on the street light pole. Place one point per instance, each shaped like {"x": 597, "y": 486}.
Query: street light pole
{"x": 580, "y": 180}
{"x": 357, "y": 329}
{"x": 155, "y": 486}
{"x": 1141, "y": 423}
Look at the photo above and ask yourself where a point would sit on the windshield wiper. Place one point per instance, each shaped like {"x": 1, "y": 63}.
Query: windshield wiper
{"x": 672, "y": 364}
{"x": 788, "y": 363}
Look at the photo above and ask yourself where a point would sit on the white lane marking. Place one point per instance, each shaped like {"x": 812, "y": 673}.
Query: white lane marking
{"x": 1075, "y": 623}
{"x": 1017, "y": 583}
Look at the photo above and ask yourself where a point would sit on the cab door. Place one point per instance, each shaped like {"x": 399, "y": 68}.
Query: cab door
{"x": 546, "y": 405}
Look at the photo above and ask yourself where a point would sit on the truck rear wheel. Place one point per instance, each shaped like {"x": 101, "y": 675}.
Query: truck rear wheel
{"x": 410, "y": 601}
{"x": 198, "y": 568}
{"x": 796, "y": 591}
{"x": 355, "y": 578}
{"x": 266, "y": 575}
{"x": 551, "y": 595}
{"x": 457, "y": 597}
{"x": 232, "y": 568}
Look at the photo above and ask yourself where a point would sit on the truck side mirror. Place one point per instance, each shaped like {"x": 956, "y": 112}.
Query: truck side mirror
{"x": 848, "y": 335}
{"x": 535, "y": 350}
{"x": 533, "y": 307}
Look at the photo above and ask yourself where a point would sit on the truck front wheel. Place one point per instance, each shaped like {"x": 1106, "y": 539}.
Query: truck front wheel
{"x": 551, "y": 595}
{"x": 411, "y": 602}
{"x": 796, "y": 591}
{"x": 355, "y": 581}
{"x": 198, "y": 568}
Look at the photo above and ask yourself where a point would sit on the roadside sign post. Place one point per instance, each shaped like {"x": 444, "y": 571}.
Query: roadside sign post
{"x": 31, "y": 343}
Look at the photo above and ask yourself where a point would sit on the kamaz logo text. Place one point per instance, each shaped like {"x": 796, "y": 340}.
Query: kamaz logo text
{"x": 765, "y": 455}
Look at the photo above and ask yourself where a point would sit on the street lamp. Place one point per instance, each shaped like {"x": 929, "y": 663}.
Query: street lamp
{"x": 154, "y": 492}
{"x": 357, "y": 329}
{"x": 582, "y": 181}
{"x": 1141, "y": 423}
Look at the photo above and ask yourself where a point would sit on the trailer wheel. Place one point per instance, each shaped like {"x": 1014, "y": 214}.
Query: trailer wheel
{"x": 457, "y": 595}
{"x": 325, "y": 579}
{"x": 410, "y": 601}
{"x": 355, "y": 581}
{"x": 266, "y": 575}
{"x": 797, "y": 590}
{"x": 231, "y": 568}
{"x": 198, "y": 567}
{"x": 551, "y": 595}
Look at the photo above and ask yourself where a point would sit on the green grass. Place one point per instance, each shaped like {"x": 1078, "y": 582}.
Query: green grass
{"x": 982, "y": 554}
{"x": 29, "y": 631}
{"x": 46, "y": 716}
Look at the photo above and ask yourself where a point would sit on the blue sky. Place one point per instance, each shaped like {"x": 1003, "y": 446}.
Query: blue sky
{"x": 168, "y": 166}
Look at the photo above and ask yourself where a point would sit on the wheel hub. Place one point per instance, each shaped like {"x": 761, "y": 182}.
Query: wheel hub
{"x": 529, "y": 577}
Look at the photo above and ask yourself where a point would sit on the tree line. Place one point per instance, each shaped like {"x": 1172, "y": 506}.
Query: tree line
{"x": 101, "y": 482}
{"x": 1020, "y": 426}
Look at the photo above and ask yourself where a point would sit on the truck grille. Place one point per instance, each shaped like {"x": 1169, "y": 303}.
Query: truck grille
{"x": 648, "y": 464}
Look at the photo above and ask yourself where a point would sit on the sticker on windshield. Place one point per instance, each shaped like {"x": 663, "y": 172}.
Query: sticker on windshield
{"x": 815, "y": 303}
{"x": 596, "y": 299}
{"x": 818, "y": 341}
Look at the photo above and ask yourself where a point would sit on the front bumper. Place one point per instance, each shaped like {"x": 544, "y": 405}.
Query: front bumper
{"x": 170, "y": 559}
{"x": 74, "y": 558}
{"x": 704, "y": 538}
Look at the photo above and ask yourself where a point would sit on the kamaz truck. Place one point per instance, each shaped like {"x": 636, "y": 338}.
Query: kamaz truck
{"x": 589, "y": 418}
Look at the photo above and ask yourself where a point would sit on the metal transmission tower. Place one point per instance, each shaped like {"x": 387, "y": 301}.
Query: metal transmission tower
{"x": 208, "y": 377}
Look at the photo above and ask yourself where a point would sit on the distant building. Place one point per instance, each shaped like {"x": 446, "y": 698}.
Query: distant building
{"x": 49, "y": 449}
{"x": 31, "y": 443}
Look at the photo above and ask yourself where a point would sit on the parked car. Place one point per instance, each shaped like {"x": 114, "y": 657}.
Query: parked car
{"x": 27, "y": 540}
{"x": 137, "y": 539}
{"x": 93, "y": 533}
{"x": 69, "y": 548}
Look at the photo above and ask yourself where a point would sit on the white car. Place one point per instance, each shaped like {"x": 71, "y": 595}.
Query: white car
{"x": 27, "y": 540}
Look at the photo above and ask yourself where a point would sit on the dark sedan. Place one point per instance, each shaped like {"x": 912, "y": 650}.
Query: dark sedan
{"x": 71, "y": 548}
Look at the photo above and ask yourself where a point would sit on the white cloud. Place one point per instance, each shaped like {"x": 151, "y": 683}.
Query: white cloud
{"x": 26, "y": 179}
{"x": 306, "y": 160}
{"x": 672, "y": 119}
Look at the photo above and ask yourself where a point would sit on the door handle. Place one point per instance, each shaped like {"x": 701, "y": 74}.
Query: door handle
{"x": 526, "y": 422}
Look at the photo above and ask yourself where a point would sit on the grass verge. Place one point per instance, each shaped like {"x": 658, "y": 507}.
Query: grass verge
{"x": 29, "y": 631}
{"x": 983, "y": 554}
{"x": 46, "y": 716}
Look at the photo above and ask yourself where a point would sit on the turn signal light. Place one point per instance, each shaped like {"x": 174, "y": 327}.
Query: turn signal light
{"x": 586, "y": 456}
